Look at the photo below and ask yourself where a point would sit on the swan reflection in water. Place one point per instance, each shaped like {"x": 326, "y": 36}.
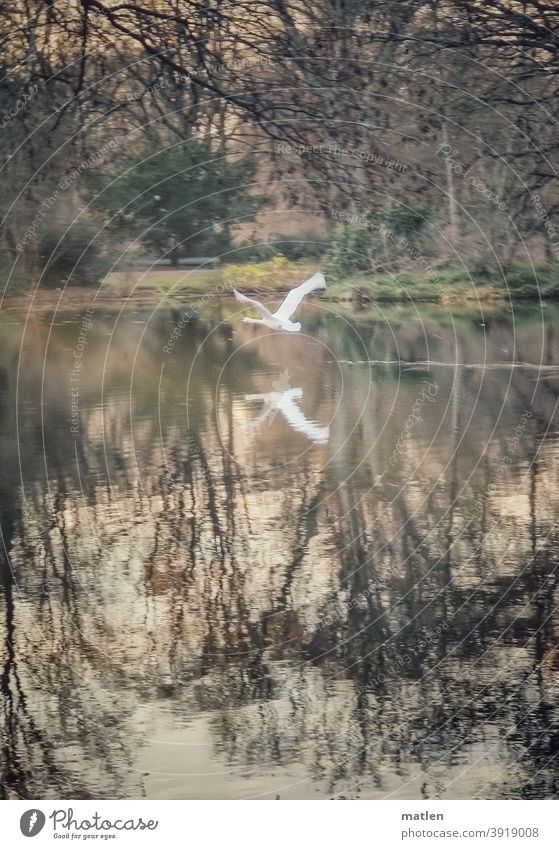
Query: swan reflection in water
{"x": 283, "y": 399}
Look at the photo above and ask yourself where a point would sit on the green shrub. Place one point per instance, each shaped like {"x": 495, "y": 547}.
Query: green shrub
{"x": 531, "y": 282}
{"x": 180, "y": 200}
{"x": 406, "y": 220}
{"x": 352, "y": 248}
{"x": 362, "y": 247}
{"x": 69, "y": 257}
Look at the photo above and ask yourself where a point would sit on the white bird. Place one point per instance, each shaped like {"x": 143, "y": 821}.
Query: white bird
{"x": 286, "y": 402}
{"x": 280, "y": 319}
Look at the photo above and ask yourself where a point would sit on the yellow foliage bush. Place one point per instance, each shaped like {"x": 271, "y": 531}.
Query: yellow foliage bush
{"x": 252, "y": 272}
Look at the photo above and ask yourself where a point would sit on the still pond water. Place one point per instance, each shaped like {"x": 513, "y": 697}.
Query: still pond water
{"x": 244, "y": 564}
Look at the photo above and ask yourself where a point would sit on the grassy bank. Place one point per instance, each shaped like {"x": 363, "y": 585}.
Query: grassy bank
{"x": 272, "y": 278}
{"x": 278, "y": 274}
{"x": 451, "y": 284}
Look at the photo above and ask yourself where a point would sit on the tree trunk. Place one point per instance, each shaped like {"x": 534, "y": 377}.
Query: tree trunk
{"x": 453, "y": 215}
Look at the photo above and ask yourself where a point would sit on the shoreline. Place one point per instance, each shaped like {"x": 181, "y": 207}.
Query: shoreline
{"x": 78, "y": 298}
{"x": 272, "y": 280}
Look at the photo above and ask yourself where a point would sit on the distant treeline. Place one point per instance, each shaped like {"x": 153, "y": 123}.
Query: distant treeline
{"x": 167, "y": 129}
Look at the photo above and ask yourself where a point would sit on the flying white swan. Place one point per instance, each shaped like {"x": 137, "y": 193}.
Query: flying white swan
{"x": 286, "y": 402}
{"x": 280, "y": 319}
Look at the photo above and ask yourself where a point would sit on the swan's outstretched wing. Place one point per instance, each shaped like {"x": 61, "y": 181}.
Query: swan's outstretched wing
{"x": 294, "y": 298}
{"x": 243, "y": 299}
{"x": 296, "y": 418}
{"x": 270, "y": 401}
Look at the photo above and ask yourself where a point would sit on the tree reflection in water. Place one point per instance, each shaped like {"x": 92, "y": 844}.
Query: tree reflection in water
{"x": 191, "y": 607}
